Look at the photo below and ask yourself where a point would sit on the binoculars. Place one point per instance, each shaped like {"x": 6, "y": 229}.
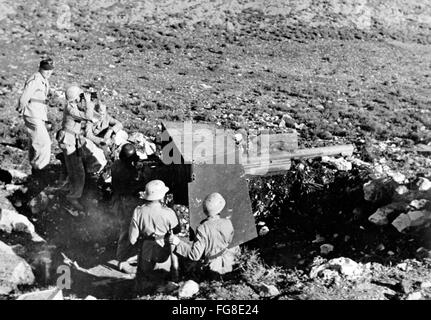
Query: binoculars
{"x": 93, "y": 96}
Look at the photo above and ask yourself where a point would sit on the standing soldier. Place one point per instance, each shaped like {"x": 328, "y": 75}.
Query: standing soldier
{"x": 32, "y": 105}
{"x": 79, "y": 109}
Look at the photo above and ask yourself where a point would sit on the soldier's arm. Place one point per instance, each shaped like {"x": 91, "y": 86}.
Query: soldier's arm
{"x": 90, "y": 134}
{"x": 29, "y": 90}
{"x": 76, "y": 114}
{"x": 134, "y": 228}
{"x": 197, "y": 249}
{"x": 116, "y": 124}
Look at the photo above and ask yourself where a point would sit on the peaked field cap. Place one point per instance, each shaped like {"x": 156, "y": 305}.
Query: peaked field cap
{"x": 46, "y": 64}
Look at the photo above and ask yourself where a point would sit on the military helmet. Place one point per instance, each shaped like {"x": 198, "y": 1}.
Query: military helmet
{"x": 73, "y": 93}
{"x": 128, "y": 153}
{"x": 214, "y": 203}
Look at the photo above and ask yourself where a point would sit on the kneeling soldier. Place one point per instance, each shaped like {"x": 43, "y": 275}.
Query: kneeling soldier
{"x": 213, "y": 237}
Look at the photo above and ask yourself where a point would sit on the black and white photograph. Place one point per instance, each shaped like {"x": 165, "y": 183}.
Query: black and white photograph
{"x": 218, "y": 155}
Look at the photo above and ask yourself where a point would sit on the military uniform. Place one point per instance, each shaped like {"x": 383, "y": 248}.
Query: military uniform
{"x": 125, "y": 200}
{"x": 34, "y": 109}
{"x": 71, "y": 141}
{"x": 151, "y": 223}
{"x": 96, "y": 131}
{"x": 213, "y": 237}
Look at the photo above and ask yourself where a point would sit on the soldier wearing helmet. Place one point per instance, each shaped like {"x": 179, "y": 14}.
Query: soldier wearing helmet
{"x": 152, "y": 223}
{"x": 125, "y": 200}
{"x": 213, "y": 237}
{"x": 33, "y": 106}
{"x": 78, "y": 110}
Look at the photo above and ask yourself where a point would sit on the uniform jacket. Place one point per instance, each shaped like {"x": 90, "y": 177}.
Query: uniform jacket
{"x": 152, "y": 220}
{"x": 104, "y": 121}
{"x": 34, "y": 96}
{"x": 213, "y": 237}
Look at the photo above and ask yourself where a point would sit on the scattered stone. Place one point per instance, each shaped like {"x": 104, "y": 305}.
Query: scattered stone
{"x": 188, "y": 289}
{"x": 13, "y": 221}
{"x": 402, "y": 266}
{"x": 39, "y": 203}
{"x": 417, "y": 218}
{"x": 414, "y": 296}
{"x": 398, "y": 177}
{"x": 263, "y": 231}
{"x": 345, "y": 266}
{"x": 423, "y": 184}
{"x": 380, "y": 217}
{"x": 400, "y": 190}
{"x": 402, "y": 222}
{"x": 268, "y": 290}
{"x": 379, "y": 190}
{"x": 326, "y": 248}
{"x": 51, "y": 294}
{"x": 19, "y": 175}
{"x": 14, "y": 271}
{"x": 419, "y": 204}
{"x": 340, "y": 164}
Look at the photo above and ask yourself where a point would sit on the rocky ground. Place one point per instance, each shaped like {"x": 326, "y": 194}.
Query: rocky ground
{"x": 334, "y": 71}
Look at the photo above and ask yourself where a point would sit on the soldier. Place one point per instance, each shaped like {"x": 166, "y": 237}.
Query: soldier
{"x": 125, "y": 200}
{"x": 152, "y": 223}
{"x": 32, "y": 105}
{"x": 70, "y": 138}
{"x": 213, "y": 237}
{"x": 101, "y": 131}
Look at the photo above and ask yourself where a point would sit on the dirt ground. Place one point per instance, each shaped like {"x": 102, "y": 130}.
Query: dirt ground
{"x": 341, "y": 72}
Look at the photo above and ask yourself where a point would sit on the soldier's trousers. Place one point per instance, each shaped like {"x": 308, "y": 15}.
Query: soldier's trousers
{"x": 40, "y": 142}
{"x": 124, "y": 207}
{"x": 76, "y": 172}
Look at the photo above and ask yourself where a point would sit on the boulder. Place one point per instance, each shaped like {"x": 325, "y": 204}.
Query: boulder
{"x": 419, "y": 204}
{"x": 326, "y": 248}
{"x": 11, "y": 220}
{"x": 379, "y": 190}
{"x": 90, "y": 298}
{"x": 380, "y": 217}
{"x": 344, "y": 266}
{"x": 50, "y": 294}
{"x": 400, "y": 190}
{"x": 402, "y": 222}
{"x": 414, "y": 296}
{"x": 14, "y": 271}
{"x": 188, "y": 289}
{"x": 340, "y": 164}
{"x": 39, "y": 203}
{"x": 268, "y": 290}
{"x": 423, "y": 184}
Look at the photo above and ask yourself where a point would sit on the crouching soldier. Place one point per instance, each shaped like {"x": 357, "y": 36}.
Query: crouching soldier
{"x": 79, "y": 109}
{"x": 125, "y": 200}
{"x": 103, "y": 129}
{"x": 152, "y": 223}
{"x": 213, "y": 237}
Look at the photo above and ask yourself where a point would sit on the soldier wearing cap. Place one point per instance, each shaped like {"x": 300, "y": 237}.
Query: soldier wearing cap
{"x": 152, "y": 223}
{"x": 78, "y": 110}
{"x": 33, "y": 106}
{"x": 213, "y": 237}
